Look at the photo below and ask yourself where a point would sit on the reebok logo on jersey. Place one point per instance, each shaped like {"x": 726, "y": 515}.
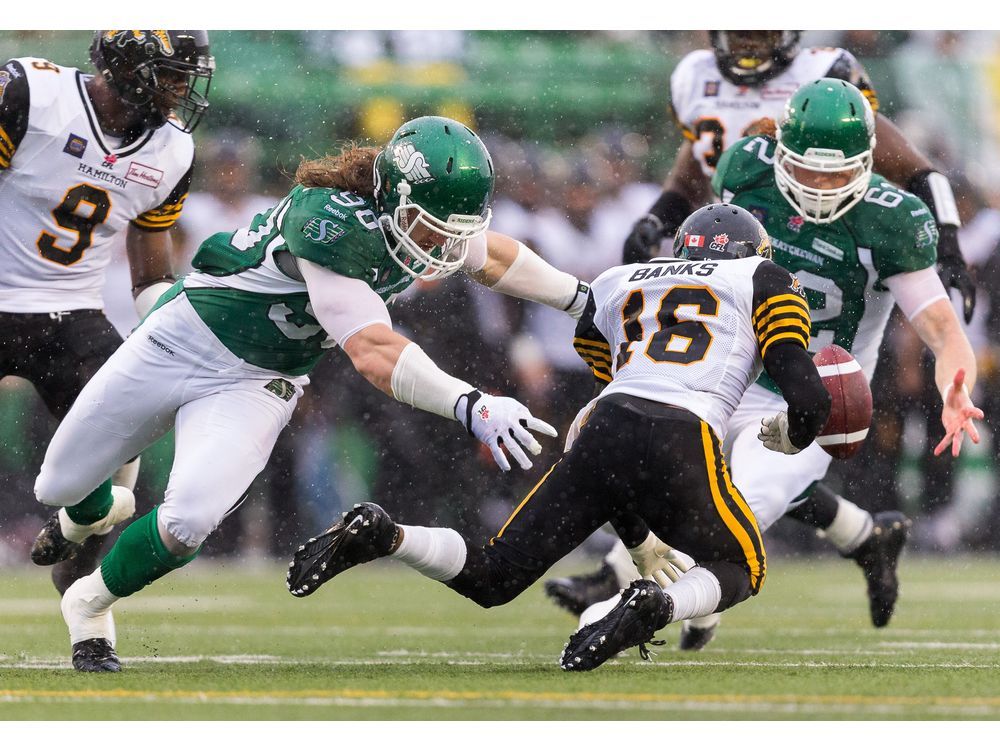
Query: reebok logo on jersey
{"x": 144, "y": 175}
{"x": 336, "y": 212}
{"x": 323, "y": 231}
{"x": 160, "y": 345}
{"x": 75, "y": 146}
{"x": 411, "y": 163}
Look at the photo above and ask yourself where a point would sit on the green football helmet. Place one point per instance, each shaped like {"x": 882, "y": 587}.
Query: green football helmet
{"x": 828, "y": 127}
{"x": 437, "y": 174}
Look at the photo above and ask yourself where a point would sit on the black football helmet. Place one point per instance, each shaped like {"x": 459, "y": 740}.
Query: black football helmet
{"x": 749, "y": 58}
{"x": 721, "y": 231}
{"x": 157, "y": 72}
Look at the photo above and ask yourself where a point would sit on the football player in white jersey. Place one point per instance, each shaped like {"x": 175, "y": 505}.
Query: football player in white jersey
{"x": 84, "y": 159}
{"x": 677, "y": 341}
{"x": 718, "y": 95}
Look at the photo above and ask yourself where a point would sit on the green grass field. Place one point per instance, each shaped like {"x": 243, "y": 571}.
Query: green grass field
{"x": 227, "y": 641}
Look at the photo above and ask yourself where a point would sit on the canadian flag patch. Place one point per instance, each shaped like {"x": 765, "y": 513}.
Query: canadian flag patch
{"x": 694, "y": 240}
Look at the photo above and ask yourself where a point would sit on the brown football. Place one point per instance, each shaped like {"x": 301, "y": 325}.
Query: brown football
{"x": 851, "y": 406}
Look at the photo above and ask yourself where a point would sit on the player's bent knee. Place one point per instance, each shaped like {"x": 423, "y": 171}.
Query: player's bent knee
{"x": 57, "y": 489}
{"x": 186, "y": 531}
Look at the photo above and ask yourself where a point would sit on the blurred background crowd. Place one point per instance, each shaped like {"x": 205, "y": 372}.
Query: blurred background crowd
{"x": 580, "y": 131}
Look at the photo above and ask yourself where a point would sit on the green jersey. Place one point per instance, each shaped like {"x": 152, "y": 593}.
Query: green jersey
{"x": 248, "y": 289}
{"x": 842, "y": 265}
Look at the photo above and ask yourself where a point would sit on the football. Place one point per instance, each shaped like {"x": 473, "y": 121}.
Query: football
{"x": 851, "y": 408}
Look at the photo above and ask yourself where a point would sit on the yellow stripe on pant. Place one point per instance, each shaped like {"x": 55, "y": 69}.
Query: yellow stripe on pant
{"x": 752, "y": 546}
{"x": 523, "y": 502}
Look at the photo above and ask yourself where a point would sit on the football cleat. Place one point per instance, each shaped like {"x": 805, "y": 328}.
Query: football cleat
{"x": 95, "y": 655}
{"x": 878, "y": 557}
{"x": 576, "y": 593}
{"x": 695, "y": 638}
{"x": 50, "y": 545}
{"x": 642, "y": 610}
{"x": 363, "y": 534}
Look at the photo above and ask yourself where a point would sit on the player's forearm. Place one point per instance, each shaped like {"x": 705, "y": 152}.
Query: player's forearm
{"x": 939, "y": 329}
{"x": 895, "y": 158}
{"x": 401, "y": 369}
{"x": 791, "y": 367}
{"x": 515, "y": 269}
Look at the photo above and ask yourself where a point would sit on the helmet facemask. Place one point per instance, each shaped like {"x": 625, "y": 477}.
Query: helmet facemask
{"x": 749, "y": 58}
{"x": 822, "y": 206}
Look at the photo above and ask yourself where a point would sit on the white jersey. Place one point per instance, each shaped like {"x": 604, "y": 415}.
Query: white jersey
{"x": 689, "y": 333}
{"x": 66, "y": 192}
{"x": 713, "y": 113}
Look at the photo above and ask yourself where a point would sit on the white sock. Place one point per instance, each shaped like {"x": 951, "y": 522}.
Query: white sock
{"x": 695, "y": 594}
{"x": 122, "y": 508}
{"x": 621, "y": 562}
{"x": 86, "y": 608}
{"x": 851, "y": 526}
{"x": 434, "y": 552}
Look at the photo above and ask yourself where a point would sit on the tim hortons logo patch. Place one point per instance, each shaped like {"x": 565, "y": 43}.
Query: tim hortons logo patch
{"x": 144, "y": 175}
{"x": 411, "y": 163}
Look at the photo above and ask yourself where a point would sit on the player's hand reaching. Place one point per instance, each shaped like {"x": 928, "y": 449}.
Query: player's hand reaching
{"x": 774, "y": 434}
{"x": 957, "y": 415}
{"x": 500, "y": 421}
{"x": 657, "y": 561}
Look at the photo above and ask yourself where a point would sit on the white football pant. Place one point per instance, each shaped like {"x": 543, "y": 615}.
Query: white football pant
{"x": 172, "y": 372}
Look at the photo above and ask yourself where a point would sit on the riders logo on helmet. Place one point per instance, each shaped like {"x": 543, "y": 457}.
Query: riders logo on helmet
{"x": 411, "y": 163}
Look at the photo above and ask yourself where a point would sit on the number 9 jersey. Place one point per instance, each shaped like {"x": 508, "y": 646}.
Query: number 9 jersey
{"x": 67, "y": 189}
{"x": 691, "y": 334}
{"x": 713, "y": 113}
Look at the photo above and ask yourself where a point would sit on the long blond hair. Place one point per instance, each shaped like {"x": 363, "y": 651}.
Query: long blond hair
{"x": 351, "y": 170}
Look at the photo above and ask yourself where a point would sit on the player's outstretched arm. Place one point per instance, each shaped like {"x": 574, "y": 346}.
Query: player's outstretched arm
{"x": 513, "y": 268}
{"x": 954, "y": 372}
{"x": 355, "y": 317}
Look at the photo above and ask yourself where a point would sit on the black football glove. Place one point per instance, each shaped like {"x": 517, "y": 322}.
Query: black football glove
{"x": 643, "y": 242}
{"x": 953, "y": 271}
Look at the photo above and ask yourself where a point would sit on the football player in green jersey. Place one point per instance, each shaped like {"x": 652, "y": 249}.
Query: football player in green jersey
{"x": 224, "y": 355}
{"x": 858, "y": 245}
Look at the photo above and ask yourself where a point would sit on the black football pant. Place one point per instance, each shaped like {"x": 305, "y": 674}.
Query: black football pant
{"x": 57, "y": 352}
{"x": 633, "y": 457}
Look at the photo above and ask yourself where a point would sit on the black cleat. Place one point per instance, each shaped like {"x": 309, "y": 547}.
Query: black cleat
{"x": 95, "y": 655}
{"x": 86, "y": 560}
{"x": 878, "y": 557}
{"x": 695, "y": 639}
{"x": 642, "y": 610}
{"x": 363, "y": 534}
{"x": 50, "y": 545}
{"x": 576, "y": 593}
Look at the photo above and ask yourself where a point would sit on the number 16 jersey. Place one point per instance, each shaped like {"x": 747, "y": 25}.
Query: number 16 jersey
{"x": 690, "y": 333}
{"x": 67, "y": 189}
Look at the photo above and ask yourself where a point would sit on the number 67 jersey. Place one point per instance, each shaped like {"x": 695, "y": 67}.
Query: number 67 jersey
{"x": 687, "y": 333}
{"x": 66, "y": 188}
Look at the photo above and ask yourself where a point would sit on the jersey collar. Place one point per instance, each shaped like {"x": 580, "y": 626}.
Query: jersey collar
{"x": 88, "y": 107}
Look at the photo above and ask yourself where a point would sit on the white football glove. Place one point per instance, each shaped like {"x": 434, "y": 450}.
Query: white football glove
{"x": 498, "y": 420}
{"x": 657, "y": 561}
{"x": 774, "y": 434}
